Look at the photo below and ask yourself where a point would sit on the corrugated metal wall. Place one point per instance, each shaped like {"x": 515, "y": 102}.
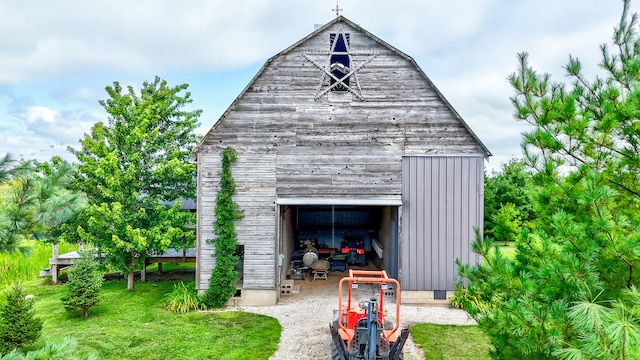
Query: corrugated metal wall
{"x": 443, "y": 199}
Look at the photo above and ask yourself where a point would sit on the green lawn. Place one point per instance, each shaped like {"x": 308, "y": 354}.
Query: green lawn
{"x": 508, "y": 251}
{"x": 451, "y": 342}
{"x": 134, "y": 325}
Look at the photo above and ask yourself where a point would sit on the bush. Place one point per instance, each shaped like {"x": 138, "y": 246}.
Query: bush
{"x": 18, "y": 324}
{"x": 183, "y": 298}
{"x": 50, "y": 351}
{"x": 84, "y": 284}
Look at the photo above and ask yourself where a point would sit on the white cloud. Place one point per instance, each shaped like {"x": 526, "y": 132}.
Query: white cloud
{"x": 38, "y": 114}
{"x": 61, "y": 55}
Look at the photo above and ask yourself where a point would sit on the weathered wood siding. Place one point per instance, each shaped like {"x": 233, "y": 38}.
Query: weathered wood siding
{"x": 291, "y": 145}
{"x": 443, "y": 200}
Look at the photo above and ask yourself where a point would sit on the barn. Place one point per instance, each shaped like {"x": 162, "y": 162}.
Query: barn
{"x": 344, "y": 142}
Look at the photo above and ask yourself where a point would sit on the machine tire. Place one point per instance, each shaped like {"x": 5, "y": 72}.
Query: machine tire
{"x": 335, "y": 353}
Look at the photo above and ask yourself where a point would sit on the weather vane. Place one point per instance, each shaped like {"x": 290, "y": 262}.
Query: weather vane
{"x": 337, "y": 9}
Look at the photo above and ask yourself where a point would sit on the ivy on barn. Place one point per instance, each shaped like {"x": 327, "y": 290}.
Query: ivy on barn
{"x": 222, "y": 284}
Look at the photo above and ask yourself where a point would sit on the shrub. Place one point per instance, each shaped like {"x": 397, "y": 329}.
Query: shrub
{"x": 18, "y": 324}
{"x": 84, "y": 284}
{"x": 183, "y": 298}
{"x": 50, "y": 351}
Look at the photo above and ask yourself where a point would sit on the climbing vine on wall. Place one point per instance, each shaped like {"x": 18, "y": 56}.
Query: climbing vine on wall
{"x": 222, "y": 284}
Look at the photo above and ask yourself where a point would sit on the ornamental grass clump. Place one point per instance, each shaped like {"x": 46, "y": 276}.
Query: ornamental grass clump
{"x": 183, "y": 298}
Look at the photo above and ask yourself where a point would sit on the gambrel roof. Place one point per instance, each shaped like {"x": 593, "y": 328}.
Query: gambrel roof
{"x": 345, "y": 21}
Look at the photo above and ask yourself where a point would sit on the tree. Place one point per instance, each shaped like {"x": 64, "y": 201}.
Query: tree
{"x": 507, "y": 223}
{"x": 222, "y": 284}
{"x": 570, "y": 292}
{"x": 512, "y": 184}
{"x": 130, "y": 165}
{"x": 18, "y": 324}
{"x": 36, "y": 201}
{"x": 84, "y": 284}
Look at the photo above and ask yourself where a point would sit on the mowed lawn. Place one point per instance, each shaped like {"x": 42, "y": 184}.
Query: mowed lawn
{"x": 451, "y": 342}
{"x": 134, "y": 325}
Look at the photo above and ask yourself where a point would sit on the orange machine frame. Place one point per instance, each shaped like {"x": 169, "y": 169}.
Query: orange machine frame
{"x": 347, "y": 320}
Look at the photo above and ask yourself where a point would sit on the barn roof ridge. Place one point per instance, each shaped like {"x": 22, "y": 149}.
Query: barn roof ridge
{"x": 360, "y": 29}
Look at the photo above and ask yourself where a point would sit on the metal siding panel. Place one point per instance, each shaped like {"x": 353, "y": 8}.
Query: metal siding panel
{"x": 451, "y": 214}
{"x": 457, "y": 217}
{"x": 442, "y": 202}
{"x": 465, "y": 177}
{"x": 418, "y": 262}
{"x": 427, "y": 220}
{"x": 441, "y": 251}
{"x": 435, "y": 221}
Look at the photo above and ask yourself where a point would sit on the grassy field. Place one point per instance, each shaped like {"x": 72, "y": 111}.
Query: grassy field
{"x": 508, "y": 251}
{"x": 134, "y": 325}
{"x": 451, "y": 342}
{"x": 17, "y": 267}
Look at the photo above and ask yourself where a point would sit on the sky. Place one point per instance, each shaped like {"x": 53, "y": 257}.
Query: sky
{"x": 57, "y": 56}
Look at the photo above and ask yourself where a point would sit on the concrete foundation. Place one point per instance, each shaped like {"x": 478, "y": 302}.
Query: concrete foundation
{"x": 251, "y": 297}
{"x": 423, "y": 297}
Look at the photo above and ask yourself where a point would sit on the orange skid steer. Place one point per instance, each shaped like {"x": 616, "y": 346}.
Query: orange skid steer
{"x": 364, "y": 331}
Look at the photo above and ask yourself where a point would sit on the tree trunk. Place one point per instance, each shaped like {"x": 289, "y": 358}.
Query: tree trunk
{"x": 130, "y": 281}
{"x": 85, "y": 312}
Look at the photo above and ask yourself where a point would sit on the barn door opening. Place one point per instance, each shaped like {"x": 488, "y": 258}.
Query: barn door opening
{"x": 364, "y": 236}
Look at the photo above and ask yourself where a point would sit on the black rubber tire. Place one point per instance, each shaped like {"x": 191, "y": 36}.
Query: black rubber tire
{"x": 335, "y": 353}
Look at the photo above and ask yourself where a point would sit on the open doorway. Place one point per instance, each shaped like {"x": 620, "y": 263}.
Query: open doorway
{"x": 345, "y": 236}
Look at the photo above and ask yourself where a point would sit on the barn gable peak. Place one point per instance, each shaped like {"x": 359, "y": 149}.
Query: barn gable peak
{"x": 337, "y": 67}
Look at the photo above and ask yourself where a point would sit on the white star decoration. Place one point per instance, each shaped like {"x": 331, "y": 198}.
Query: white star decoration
{"x": 329, "y": 70}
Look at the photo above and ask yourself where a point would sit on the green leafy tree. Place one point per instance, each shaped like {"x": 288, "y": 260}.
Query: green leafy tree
{"x": 18, "y": 324}
{"x": 35, "y": 202}
{"x": 506, "y": 223}
{"x": 512, "y": 184}
{"x": 130, "y": 165}
{"x": 84, "y": 284}
{"x": 570, "y": 291}
{"x": 222, "y": 284}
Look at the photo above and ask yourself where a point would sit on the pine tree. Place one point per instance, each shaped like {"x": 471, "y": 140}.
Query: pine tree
{"x": 84, "y": 284}
{"x": 570, "y": 291}
{"x": 18, "y": 324}
{"x": 51, "y": 351}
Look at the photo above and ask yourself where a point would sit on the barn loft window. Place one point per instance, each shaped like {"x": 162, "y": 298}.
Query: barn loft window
{"x": 339, "y": 60}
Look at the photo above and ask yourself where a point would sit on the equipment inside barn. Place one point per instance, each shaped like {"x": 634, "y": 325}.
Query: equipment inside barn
{"x": 366, "y": 330}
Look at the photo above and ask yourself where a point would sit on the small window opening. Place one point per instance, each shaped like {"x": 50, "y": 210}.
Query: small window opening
{"x": 340, "y": 64}
{"x": 239, "y": 266}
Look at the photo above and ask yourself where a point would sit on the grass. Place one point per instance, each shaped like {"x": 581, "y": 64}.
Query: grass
{"x": 17, "y": 267}
{"x": 451, "y": 342}
{"x": 509, "y": 251}
{"x": 134, "y": 325}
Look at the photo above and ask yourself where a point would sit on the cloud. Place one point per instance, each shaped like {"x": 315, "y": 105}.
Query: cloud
{"x": 54, "y": 66}
{"x": 39, "y": 114}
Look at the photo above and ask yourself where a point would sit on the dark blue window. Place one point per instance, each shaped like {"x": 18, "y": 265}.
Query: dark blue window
{"x": 339, "y": 60}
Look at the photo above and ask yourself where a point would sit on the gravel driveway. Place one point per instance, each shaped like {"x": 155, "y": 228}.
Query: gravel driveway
{"x": 305, "y": 318}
